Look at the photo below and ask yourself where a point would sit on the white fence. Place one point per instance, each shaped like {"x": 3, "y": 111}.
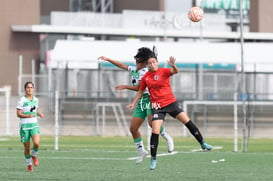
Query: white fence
{"x": 5, "y": 110}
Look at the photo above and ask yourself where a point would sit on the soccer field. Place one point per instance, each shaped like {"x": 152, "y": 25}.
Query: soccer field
{"x": 112, "y": 158}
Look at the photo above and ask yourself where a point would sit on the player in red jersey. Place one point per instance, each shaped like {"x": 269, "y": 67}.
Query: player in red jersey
{"x": 163, "y": 101}
{"x": 143, "y": 109}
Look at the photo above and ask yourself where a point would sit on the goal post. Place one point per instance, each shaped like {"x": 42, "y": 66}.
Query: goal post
{"x": 6, "y": 90}
{"x": 235, "y": 105}
{"x": 56, "y": 140}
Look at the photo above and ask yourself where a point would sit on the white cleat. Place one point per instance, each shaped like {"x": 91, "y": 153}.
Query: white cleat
{"x": 141, "y": 155}
{"x": 170, "y": 143}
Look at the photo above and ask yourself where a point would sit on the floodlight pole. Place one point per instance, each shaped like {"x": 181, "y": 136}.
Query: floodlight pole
{"x": 243, "y": 79}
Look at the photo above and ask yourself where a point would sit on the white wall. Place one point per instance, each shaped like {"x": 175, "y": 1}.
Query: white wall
{"x": 190, "y": 52}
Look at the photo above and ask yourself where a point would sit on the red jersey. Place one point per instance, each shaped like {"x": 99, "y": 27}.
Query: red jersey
{"x": 158, "y": 84}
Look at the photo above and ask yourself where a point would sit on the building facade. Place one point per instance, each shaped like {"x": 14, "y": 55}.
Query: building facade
{"x": 15, "y": 44}
{"x": 29, "y": 12}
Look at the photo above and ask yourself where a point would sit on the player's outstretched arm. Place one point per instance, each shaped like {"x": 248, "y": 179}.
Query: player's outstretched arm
{"x": 114, "y": 62}
{"x": 129, "y": 87}
{"x": 137, "y": 97}
{"x": 171, "y": 62}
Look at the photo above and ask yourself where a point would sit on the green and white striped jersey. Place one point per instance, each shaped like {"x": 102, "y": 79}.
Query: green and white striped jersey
{"x": 28, "y": 107}
{"x": 136, "y": 76}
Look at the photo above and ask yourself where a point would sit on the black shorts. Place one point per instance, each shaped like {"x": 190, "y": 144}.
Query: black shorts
{"x": 172, "y": 109}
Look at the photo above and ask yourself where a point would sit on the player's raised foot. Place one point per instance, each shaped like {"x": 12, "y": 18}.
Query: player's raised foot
{"x": 141, "y": 155}
{"x": 170, "y": 144}
{"x": 169, "y": 140}
{"x": 35, "y": 161}
{"x": 29, "y": 168}
{"x": 206, "y": 146}
{"x": 152, "y": 163}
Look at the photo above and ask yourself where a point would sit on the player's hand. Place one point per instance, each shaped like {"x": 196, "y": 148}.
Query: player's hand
{"x": 171, "y": 61}
{"x": 130, "y": 106}
{"x": 120, "y": 87}
{"x": 103, "y": 58}
{"x": 41, "y": 115}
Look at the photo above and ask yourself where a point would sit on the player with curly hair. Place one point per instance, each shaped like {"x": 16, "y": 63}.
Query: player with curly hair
{"x": 143, "y": 108}
{"x": 163, "y": 101}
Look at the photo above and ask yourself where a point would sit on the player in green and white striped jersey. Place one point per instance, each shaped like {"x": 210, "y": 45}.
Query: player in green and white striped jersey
{"x": 27, "y": 111}
{"x": 143, "y": 108}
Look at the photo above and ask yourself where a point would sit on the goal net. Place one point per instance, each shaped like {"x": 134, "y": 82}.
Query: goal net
{"x": 261, "y": 109}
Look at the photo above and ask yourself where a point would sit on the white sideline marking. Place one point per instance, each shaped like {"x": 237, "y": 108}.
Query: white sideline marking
{"x": 175, "y": 152}
{"x": 214, "y": 148}
{"x": 68, "y": 158}
{"x": 107, "y": 158}
{"x": 83, "y": 158}
{"x": 161, "y": 154}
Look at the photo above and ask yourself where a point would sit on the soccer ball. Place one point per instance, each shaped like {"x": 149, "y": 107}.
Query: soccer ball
{"x": 195, "y": 14}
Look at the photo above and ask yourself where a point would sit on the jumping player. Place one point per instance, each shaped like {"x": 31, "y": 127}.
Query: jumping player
{"x": 163, "y": 101}
{"x": 142, "y": 109}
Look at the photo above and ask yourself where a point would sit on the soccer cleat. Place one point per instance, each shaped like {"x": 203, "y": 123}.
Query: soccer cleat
{"x": 35, "y": 161}
{"x": 206, "y": 146}
{"x": 169, "y": 140}
{"x": 141, "y": 155}
{"x": 153, "y": 163}
{"x": 29, "y": 168}
{"x": 170, "y": 144}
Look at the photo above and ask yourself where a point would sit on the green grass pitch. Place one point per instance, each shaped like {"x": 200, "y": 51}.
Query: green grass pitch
{"x": 112, "y": 158}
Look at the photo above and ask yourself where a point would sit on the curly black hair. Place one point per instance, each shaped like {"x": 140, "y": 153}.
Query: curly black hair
{"x": 143, "y": 54}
